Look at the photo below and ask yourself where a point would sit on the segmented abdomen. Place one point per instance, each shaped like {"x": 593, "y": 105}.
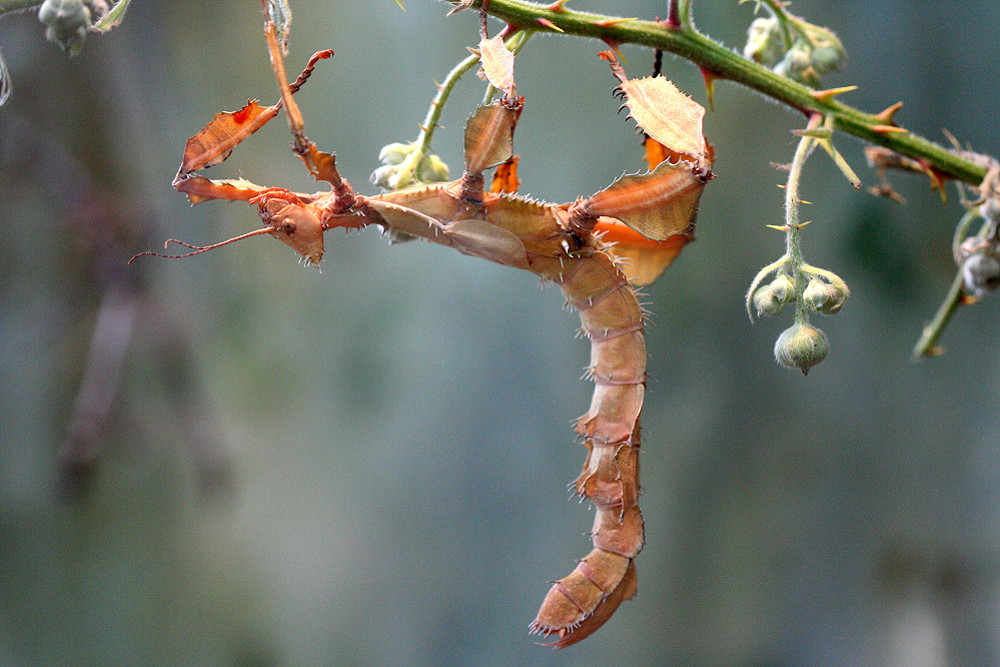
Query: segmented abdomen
{"x": 581, "y": 602}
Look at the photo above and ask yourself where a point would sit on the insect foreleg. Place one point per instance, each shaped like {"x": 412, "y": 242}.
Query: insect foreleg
{"x": 321, "y": 165}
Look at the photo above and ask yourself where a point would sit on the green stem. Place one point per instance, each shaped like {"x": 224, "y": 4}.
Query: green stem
{"x": 724, "y": 63}
{"x": 437, "y": 104}
{"x": 927, "y": 345}
{"x": 430, "y": 124}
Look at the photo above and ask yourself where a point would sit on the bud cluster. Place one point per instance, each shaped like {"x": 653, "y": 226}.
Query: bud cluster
{"x": 794, "y": 48}
{"x": 818, "y": 290}
{"x": 402, "y": 165}
{"x": 812, "y": 289}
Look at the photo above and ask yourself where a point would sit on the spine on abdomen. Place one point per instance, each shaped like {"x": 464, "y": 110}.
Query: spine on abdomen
{"x": 612, "y": 319}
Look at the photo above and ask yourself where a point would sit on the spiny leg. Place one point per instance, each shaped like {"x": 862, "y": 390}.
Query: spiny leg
{"x": 321, "y": 165}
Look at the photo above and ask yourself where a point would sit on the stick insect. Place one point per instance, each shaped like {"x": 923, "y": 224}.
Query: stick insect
{"x": 590, "y": 248}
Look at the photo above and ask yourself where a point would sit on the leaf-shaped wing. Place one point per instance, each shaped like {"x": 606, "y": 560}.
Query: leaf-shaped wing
{"x": 505, "y": 179}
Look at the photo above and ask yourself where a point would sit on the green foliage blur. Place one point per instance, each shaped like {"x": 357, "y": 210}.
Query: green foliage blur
{"x": 367, "y": 465}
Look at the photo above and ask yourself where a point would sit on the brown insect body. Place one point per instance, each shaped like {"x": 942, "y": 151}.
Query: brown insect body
{"x": 558, "y": 242}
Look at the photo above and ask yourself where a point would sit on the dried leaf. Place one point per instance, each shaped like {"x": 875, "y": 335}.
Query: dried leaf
{"x": 222, "y": 134}
{"x": 498, "y": 64}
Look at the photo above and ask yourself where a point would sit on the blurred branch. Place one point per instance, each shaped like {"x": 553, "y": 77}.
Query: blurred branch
{"x": 17, "y": 5}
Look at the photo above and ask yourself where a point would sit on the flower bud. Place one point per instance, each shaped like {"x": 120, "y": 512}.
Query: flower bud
{"x": 990, "y": 211}
{"x": 766, "y": 303}
{"x": 801, "y": 346}
{"x": 981, "y": 273}
{"x": 390, "y": 176}
{"x": 825, "y": 297}
{"x": 66, "y": 23}
{"x": 816, "y": 294}
{"x": 385, "y": 176}
{"x": 827, "y": 50}
{"x": 770, "y": 299}
{"x": 432, "y": 169}
{"x": 395, "y": 153}
{"x": 764, "y": 42}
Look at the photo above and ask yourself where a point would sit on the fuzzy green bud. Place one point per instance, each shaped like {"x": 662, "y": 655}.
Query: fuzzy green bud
{"x": 801, "y": 346}
{"x": 981, "y": 273}
{"x": 394, "y": 172}
{"x": 395, "y": 153}
{"x": 432, "y": 169}
{"x": 766, "y": 303}
{"x": 990, "y": 210}
{"x": 66, "y": 22}
{"x": 764, "y": 42}
{"x": 827, "y": 50}
{"x": 825, "y": 297}
{"x": 770, "y": 299}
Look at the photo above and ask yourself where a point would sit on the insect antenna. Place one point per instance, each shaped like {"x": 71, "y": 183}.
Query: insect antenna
{"x": 198, "y": 249}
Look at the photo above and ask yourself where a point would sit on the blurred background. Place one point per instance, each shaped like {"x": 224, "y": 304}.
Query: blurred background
{"x": 232, "y": 460}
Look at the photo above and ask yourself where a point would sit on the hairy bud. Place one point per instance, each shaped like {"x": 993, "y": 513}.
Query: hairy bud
{"x": 770, "y": 299}
{"x": 825, "y": 297}
{"x": 764, "y": 42}
{"x": 981, "y": 274}
{"x": 394, "y": 174}
{"x": 66, "y": 23}
{"x": 801, "y": 346}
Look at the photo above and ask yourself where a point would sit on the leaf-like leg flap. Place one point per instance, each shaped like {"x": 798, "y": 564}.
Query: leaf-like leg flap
{"x": 199, "y": 189}
{"x": 663, "y": 112}
{"x": 489, "y": 136}
{"x": 658, "y": 204}
{"x": 407, "y": 220}
{"x": 480, "y": 238}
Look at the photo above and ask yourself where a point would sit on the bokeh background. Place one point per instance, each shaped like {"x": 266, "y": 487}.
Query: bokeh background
{"x": 233, "y": 460}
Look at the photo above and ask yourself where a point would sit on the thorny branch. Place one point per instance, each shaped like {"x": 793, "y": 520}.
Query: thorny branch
{"x": 685, "y": 41}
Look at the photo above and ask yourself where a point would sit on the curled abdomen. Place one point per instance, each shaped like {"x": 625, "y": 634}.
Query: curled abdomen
{"x": 612, "y": 319}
